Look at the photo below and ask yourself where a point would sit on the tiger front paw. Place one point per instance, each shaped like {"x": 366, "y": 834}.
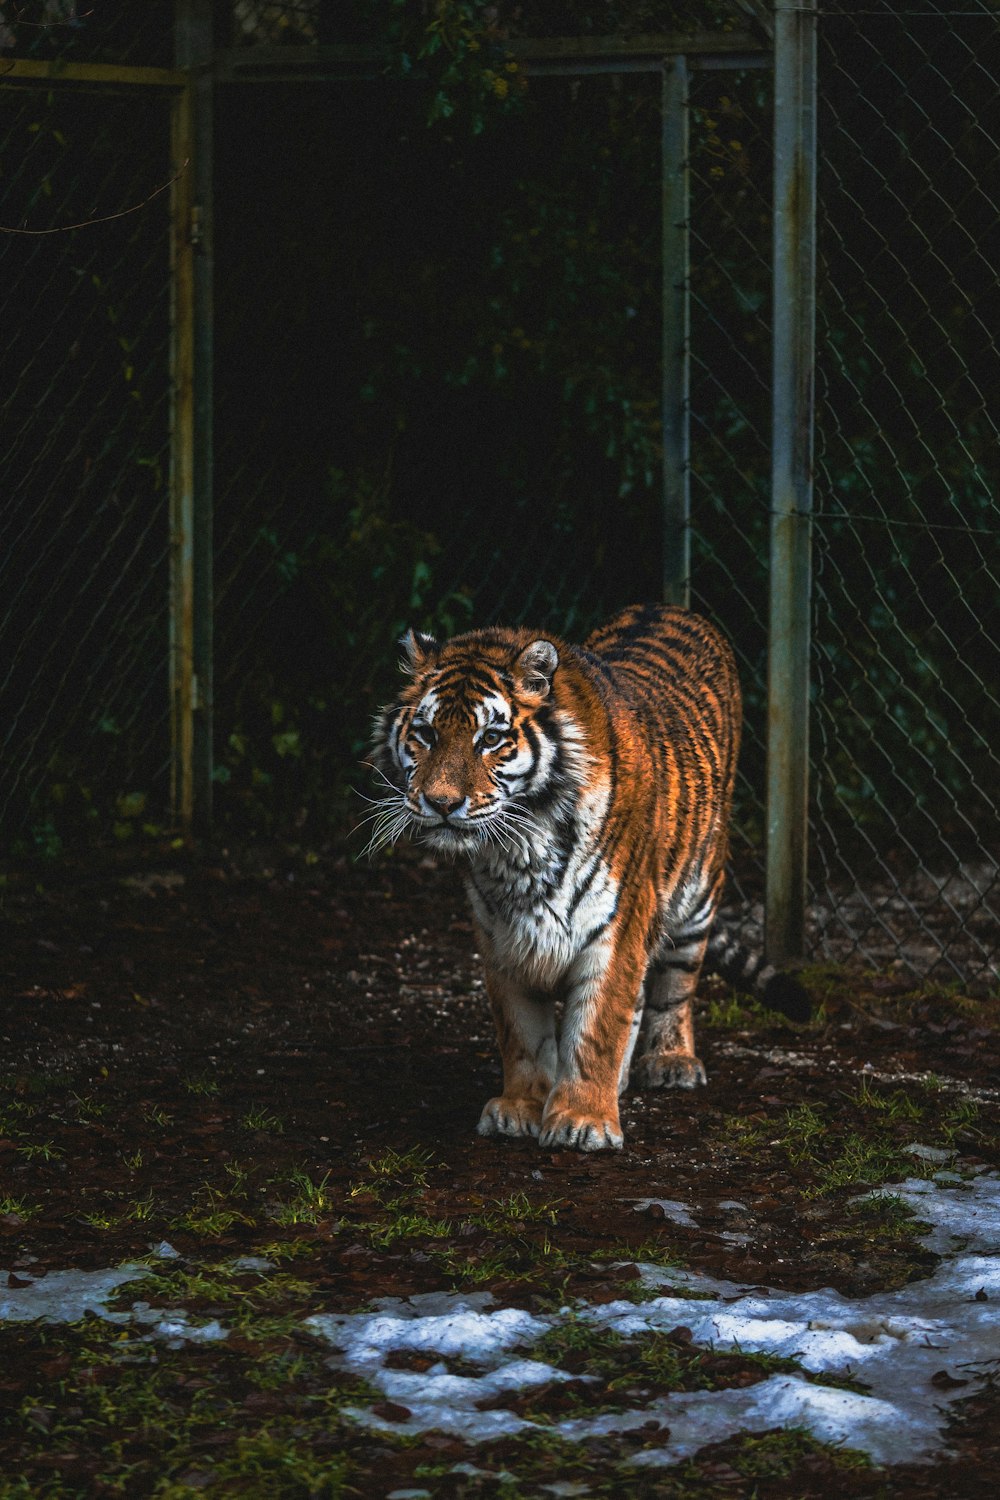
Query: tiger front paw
{"x": 583, "y": 1132}
{"x": 509, "y": 1115}
{"x": 668, "y": 1070}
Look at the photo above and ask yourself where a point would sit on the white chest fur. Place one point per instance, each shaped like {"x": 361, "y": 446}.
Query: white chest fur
{"x": 546, "y": 903}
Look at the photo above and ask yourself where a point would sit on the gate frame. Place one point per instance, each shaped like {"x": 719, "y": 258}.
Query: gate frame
{"x": 189, "y": 648}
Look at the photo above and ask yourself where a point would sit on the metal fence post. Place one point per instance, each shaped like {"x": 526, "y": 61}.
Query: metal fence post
{"x": 676, "y": 417}
{"x": 192, "y": 455}
{"x": 182, "y": 445}
{"x": 792, "y": 477}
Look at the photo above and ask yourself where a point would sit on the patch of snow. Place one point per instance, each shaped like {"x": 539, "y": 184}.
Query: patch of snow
{"x": 895, "y": 1343}
{"x": 677, "y": 1212}
{"x": 435, "y": 1398}
{"x": 65, "y": 1296}
{"x": 165, "y": 1251}
{"x": 830, "y": 1415}
{"x": 965, "y": 1216}
{"x": 176, "y": 1328}
{"x": 929, "y": 1153}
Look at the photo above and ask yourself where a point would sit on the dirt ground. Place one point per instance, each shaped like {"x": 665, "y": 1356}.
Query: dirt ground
{"x": 285, "y": 1056}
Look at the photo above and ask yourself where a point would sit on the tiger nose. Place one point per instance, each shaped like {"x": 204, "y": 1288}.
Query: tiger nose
{"x": 443, "y": 805}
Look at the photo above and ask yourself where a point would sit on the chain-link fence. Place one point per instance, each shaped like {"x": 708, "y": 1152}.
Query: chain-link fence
{"x": 461, "y": 339}
{"x": 140, "y": 32}
{"x": 437, "y": 400}
{"x": 906, "y": 813}
{"x": 84, "y": 397}
{"x": 730, "y": 225}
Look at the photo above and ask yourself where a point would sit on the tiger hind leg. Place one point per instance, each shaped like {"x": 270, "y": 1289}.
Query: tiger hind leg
{"x": 666, "y": 1056}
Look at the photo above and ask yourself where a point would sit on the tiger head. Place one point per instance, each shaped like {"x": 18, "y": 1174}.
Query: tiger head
{"x": 472, "y": 742}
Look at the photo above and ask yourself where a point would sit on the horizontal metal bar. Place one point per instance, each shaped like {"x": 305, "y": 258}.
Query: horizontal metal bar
{"x": 697, "y": 64}
{"x": 28, "y": 70}
{"x": 585, "y": 66}
{"x": 267, "y": 65}
{"x": 651, "y": 45}
{"x": 555, "y": 55}
{"x": 736, "y": 61}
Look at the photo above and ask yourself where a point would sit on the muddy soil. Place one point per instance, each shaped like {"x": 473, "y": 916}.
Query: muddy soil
{"x": 185, "y": 1042}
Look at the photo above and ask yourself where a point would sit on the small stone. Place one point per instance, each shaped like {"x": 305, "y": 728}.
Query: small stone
{"x": 392, "y": 1411}
{"x": 943, "y": 1381}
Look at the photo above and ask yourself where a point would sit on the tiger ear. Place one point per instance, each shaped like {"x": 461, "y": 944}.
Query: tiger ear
{"x": 419, "y": 650}
{"x": 534, "y": 668}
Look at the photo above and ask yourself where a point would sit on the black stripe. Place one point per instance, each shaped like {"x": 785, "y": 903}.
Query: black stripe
{"x": 683, "y": 965}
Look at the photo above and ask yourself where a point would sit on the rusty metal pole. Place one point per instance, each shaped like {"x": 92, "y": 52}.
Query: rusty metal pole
{"x": 794, "y": 283}
{"x": 192, "y": 447}
{"x": 676, "y": 377}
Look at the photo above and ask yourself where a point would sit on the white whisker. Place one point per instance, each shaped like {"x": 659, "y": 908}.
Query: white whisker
{"x": 371, "y": 766}
{"x": 391, "y": 818}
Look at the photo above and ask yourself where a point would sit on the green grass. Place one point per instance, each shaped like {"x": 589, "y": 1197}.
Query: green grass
{"x": 890, "y": 1104}
{"x": 884, "y": 1217}
{"x": 104, "y": 1414}
{"x": 776, "y": 1455}
{"x": 152, "y": 1114}
{"x": 210, "y": 1222}
{"x": 201, "y": 1083}
{"x": 140, "y": 1210}
{"x": 308, "y": 1202}
{"x": 40, "y": 1151}
{"x": 279, "y": 1250}
{"x": 858, "y": 1161}
{"x": 259, "y": 1118}
{"x": 513, "y": 1212}
{"x": 862, "y": 1144}
{"x": 960, "y": 1120}
{"x": 100, "y": 1219}
{"x": 735, "y": 1012}
{"x": 660, "y": 1359}
{"x": 408, "y": 1168}
{"x": 88, "y": 1108}
{"x": 19, "y": 1206}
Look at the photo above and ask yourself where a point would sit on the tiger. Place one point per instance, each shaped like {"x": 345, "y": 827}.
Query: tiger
{"x": 586, "y": 792}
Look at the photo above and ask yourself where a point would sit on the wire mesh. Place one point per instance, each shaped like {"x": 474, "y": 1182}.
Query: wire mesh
{"x": 84, "y": 413}
{"x": 258, "y": 23}
{"x": 906, "y": 817}
{"x": 459, "y": 417}
{"x": 730, "y": 228}
{"x": 140, "y": 32}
